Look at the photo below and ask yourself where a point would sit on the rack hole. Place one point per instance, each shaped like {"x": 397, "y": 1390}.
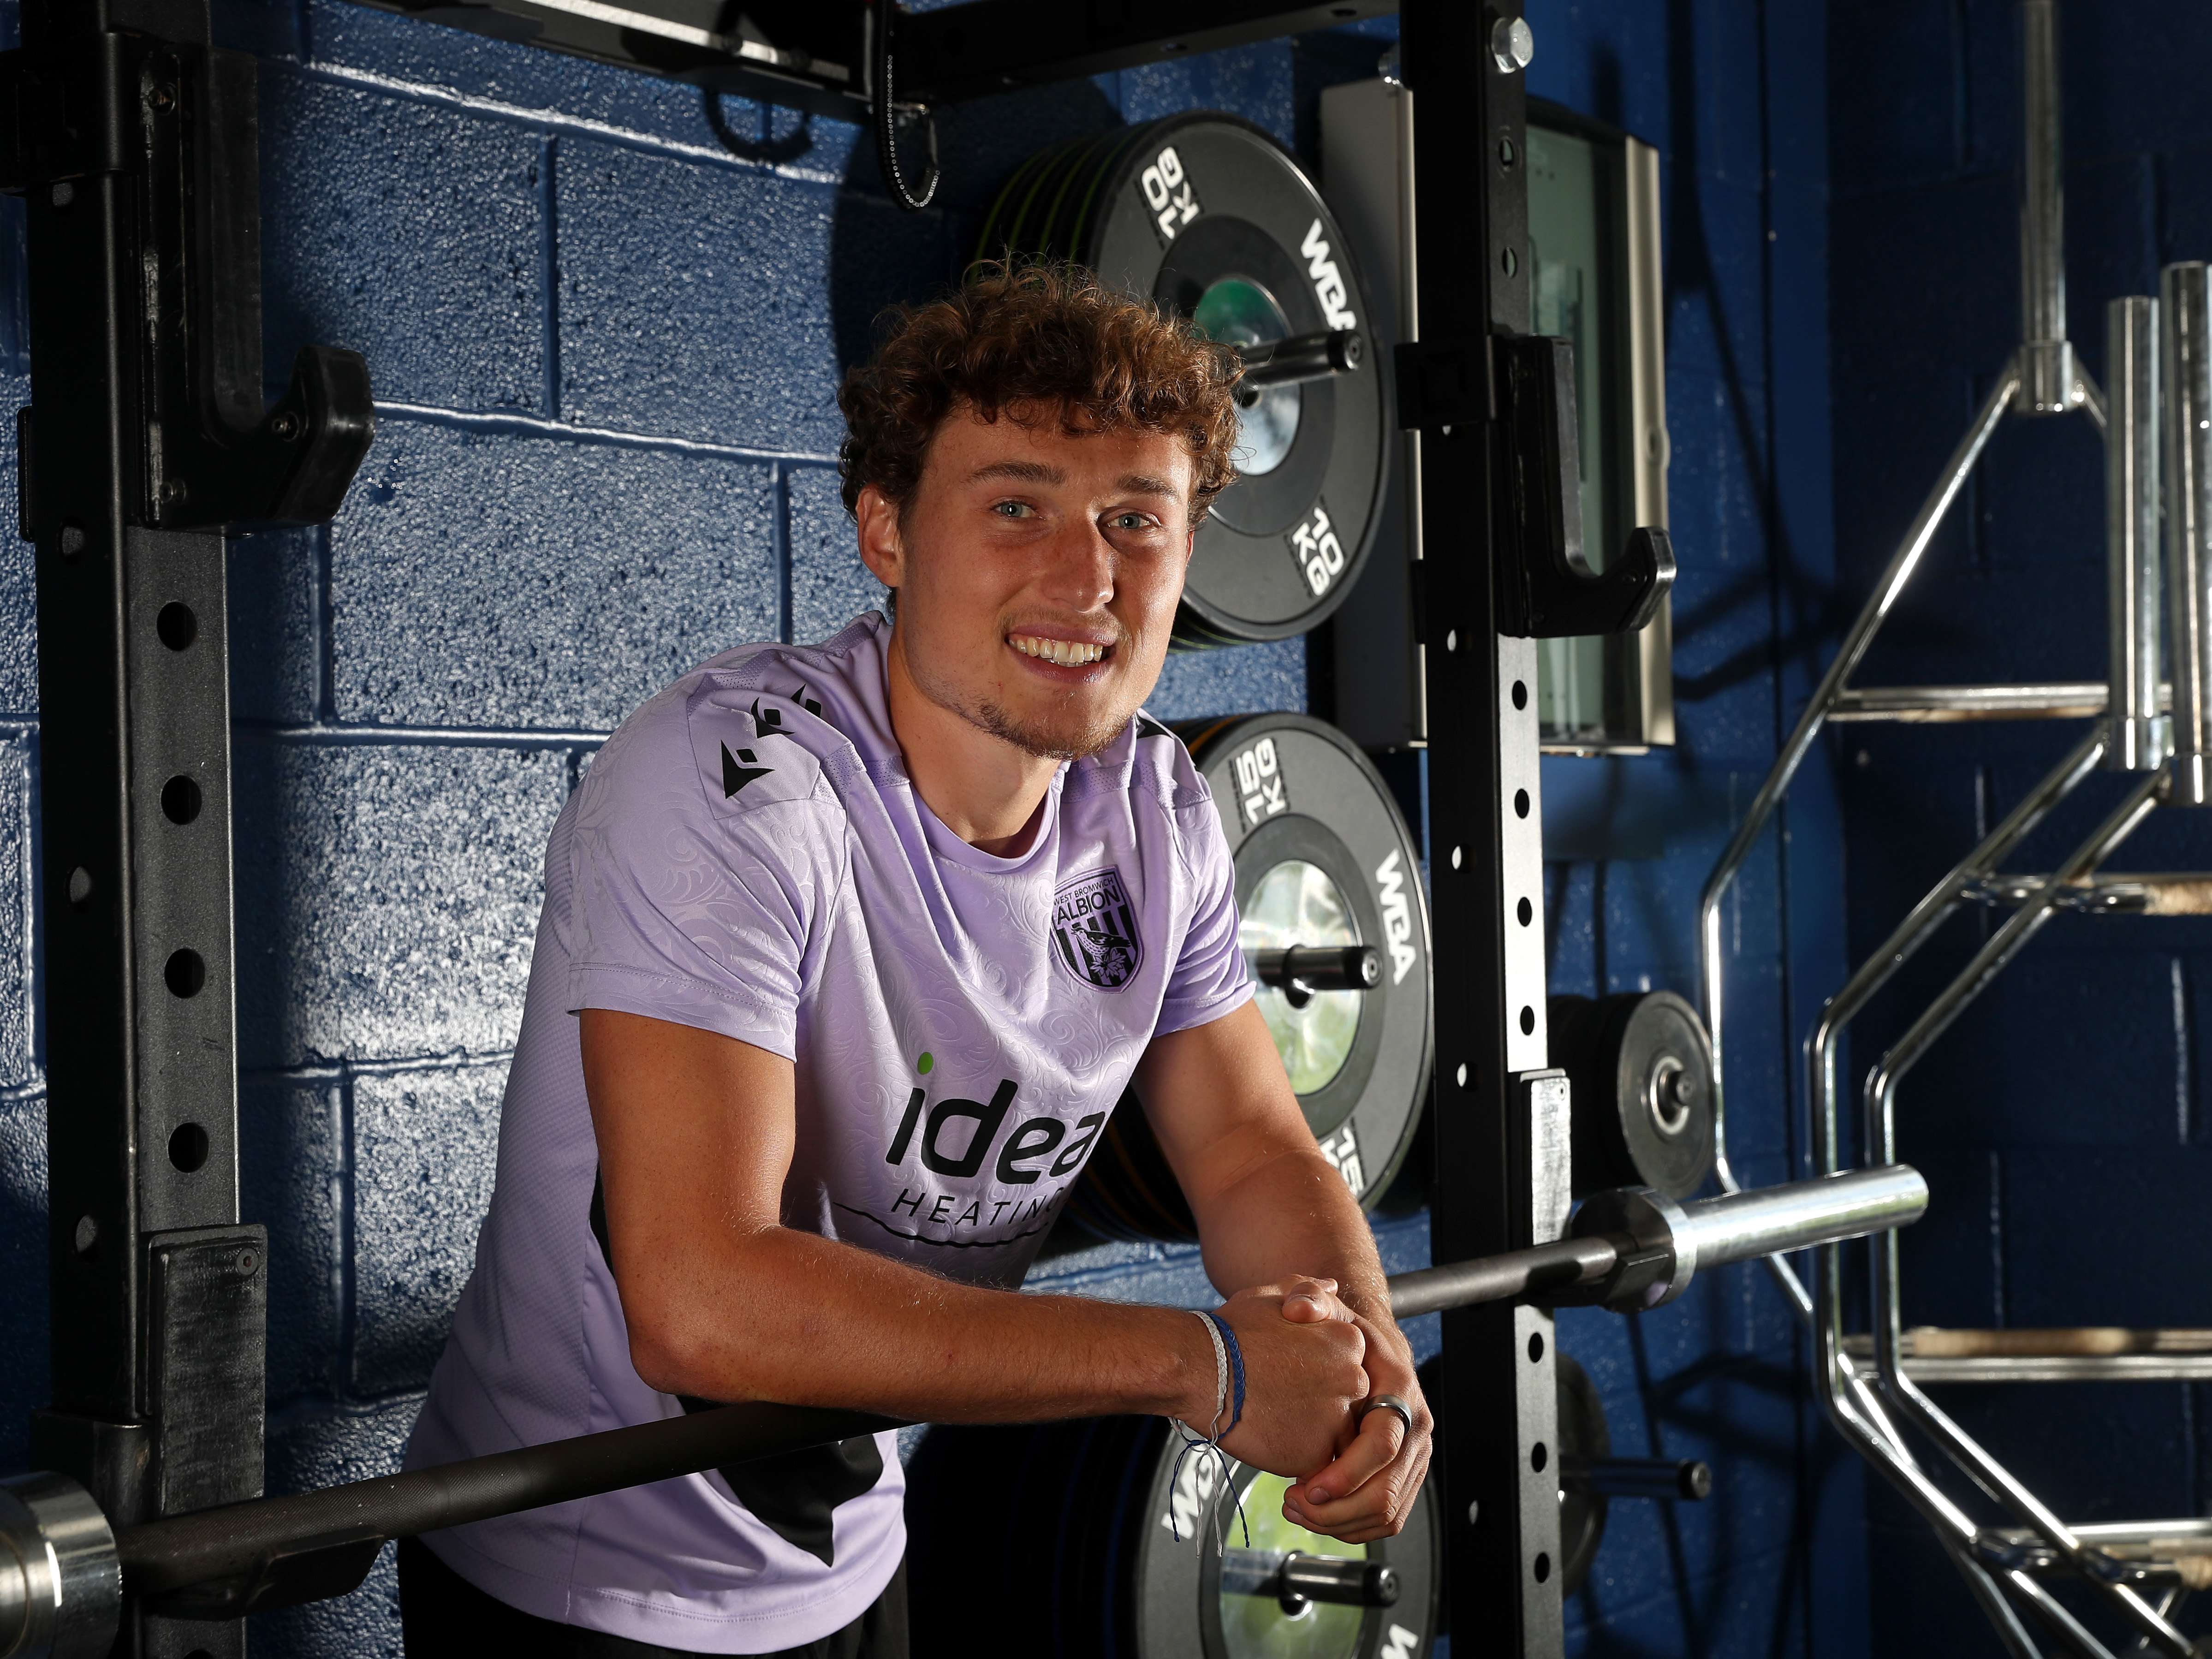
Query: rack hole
{"x": 1461, "y": 1077}
{"x": 1535, "y": 1347}
{"x": 188, "y": 1146}
{"x": 1451, "y": 639}
{"x": 177, "y": 625}
{"x": 1505, "y": 152}
{"x": 1527, "y": 1022}
{"x": 1509, "y": 261}
{"x": 1539, "y": 1454}
{"x": 80, "y": 887}
{"x": 184, "y": 973}
{"x": 1520, "y": 694}
{"x": 1527, "y": 912}
{"x": 1455, "y": 857}
{"x": 87, "y": 1235}
{"x": 1543, "y": 1566}
{"x": 180, "y": 799}
{"x": 1520, "y": 803}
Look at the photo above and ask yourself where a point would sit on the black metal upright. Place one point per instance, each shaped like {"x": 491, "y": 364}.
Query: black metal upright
{"x": 1501, "y": 1170}
{"x": 135, "y": 145}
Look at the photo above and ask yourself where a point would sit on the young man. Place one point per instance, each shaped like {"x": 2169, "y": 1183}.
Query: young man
{"x": 848, "y": 951}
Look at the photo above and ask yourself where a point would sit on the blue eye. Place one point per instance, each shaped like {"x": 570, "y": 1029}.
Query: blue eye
{"x": 1129, "y": 521}
{"x": 1013, "y": 509}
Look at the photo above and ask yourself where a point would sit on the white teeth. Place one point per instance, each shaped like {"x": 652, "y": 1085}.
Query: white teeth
{"x": 1068, "y": 653}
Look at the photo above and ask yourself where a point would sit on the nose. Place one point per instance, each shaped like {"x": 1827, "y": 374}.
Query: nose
{"x": 1079, "y": 567}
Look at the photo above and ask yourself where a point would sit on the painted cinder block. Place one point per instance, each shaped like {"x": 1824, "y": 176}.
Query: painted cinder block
{"x": 504, "y": 579}
{"x": 1715, "y": 253}
{"x": 19, "y": 631}
{"x": 309, "y": 1449}
{"x": 1944, "y": 256}
{"x": 292, "y": 1180}
{"x": 1245, "y": 680}
{"x": 829, "y": 585}
{"x": 387, "y": 897}
{"x": 276, "y": 627}
{"x": 425, "y": 1146}
{"x": 409, "y": 232}
{"x": 23, "y": 1301}
{"x": 691, "y": 301}
{"x": 18, "y": 1061}
{"x": 1254, "y": 82}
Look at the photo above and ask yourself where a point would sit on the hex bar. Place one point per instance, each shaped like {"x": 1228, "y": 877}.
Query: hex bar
{"x": 1881, "y": 1087}
{"x": 1902, "y": 564}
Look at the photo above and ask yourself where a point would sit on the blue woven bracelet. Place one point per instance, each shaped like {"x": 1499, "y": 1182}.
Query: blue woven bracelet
{"x": 1235, "y": 1369}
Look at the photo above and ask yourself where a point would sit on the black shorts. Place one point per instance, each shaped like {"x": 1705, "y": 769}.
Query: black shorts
{"x": 445, "y": 1616}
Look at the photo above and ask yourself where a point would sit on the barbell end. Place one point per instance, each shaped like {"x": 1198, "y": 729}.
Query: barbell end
{"x": 61, "y": 1586}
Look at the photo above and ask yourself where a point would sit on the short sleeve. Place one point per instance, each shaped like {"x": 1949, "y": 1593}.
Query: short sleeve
{"x": 1209, "y": 977}
{"x": 685, "y": 915}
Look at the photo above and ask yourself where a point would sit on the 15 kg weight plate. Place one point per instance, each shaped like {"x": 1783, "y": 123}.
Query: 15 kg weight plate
{"x": 1642, "y": 1072}
{"x": 1323, "y": 859}
{"x": 1213, "y": 218}
{"x": 1066, "y": 1537}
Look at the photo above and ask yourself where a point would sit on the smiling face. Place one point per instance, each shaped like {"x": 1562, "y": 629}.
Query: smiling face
{"x": 1038, "y": 572}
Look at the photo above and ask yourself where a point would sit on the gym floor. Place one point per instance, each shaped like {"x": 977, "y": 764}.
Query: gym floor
{"x": 603, "y": 345}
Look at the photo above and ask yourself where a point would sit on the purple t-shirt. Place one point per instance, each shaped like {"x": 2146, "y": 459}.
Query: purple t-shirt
{"x": 747, "y": 855}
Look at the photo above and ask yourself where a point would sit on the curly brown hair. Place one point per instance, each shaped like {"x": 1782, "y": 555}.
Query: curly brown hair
{"x": 1033, "y": 342}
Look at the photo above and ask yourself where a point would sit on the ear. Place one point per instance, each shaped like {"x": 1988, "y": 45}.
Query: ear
{"x": 882, "y": 549}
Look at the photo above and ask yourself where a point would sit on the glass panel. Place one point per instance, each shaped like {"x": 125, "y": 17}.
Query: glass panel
{"x": 1566, "y": 238}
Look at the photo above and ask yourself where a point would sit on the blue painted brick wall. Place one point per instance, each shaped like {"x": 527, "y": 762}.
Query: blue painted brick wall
{"x": 605, "y": 350}
{"x": 2062, "y": 1123}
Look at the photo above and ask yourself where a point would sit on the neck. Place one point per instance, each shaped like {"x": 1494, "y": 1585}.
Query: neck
{"x": 981, "y": 787}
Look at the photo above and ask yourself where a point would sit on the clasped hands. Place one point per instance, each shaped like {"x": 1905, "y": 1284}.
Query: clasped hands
{"x": 1312, "y": 1364}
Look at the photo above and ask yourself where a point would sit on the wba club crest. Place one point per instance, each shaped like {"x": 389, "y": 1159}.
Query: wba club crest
{"x": 1094, "y": 929}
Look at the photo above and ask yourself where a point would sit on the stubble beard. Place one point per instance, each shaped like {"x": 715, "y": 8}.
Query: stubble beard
{"x": 1067, "y": 738}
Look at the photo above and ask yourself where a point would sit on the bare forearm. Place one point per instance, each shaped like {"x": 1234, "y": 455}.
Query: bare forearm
{"x": 1292, "y": 1214}
{"x": 784, "y": 1315}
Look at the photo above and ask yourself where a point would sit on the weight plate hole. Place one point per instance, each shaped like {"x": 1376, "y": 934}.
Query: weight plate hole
{"x": 1527, "y": 912}
{"x": 188, "y": 1147}
{"x": 177, "y": 625}
{"x": 1539, "y": 1454}
{"x": 180, "y": 799}
{"x": 185, "y": 973}
{"x": 1527, "y": 1022}
{"x": 1535, "y": 1347}
{"x": 1520, "y": 803}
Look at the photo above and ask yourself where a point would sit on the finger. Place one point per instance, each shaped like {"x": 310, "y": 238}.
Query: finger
{"x": 1378, "y": 1509}
{"x": 1310, "y": 1301}
{"x": 1382, "y": 1435}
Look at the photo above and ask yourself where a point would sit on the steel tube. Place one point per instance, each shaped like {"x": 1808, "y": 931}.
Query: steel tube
{"x": 2132, "y": 531}
{"x": 1902, "y": 564}
{"x": 2185, "y": 373}
{"x": 1773, "y": 1220}
{"x": 2049, "y": 383}
{"x": 1881, "y": 1087}
{"x": 2059, "y": 699}
{"x": 1302, "y": 357}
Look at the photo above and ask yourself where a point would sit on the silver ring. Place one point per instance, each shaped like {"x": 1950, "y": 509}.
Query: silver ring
{"x": 1390, "y": 1403}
